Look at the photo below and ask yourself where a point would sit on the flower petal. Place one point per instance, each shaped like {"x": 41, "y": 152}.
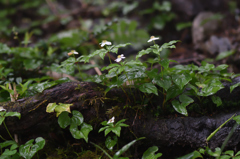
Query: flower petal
{"x": 2, "y": 109}
{"x": 111, "y": 120}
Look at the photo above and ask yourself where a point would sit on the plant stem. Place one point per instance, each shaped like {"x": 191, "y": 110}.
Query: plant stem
{"x": 8, "y": 130}
{"x": 213, "y": 133}
{"x": 102, "y": 150}
{"x": 109, "y": 58}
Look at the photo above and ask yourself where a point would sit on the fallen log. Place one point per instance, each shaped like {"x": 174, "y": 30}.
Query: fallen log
{"x": 165, "y": 132}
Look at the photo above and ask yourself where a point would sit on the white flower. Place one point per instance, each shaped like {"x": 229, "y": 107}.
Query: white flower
{"x": 105, "y": 42}
{"x": 72, "y": 52}
{"x": 2, "y": 109}
{"x": 152, "y": 38}
{"x": 111, "y": 120}
{"x": 119, "y": 58}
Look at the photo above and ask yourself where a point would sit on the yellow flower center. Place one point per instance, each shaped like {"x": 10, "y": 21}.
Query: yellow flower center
{"x": 119, "y": 56}
{"x": 152, "y": 37}
{"x": 104, "y": 41}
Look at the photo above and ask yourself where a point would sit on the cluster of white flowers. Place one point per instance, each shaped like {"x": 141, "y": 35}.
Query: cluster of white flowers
{"x": 111, "y": 120}
{"x": 105, "y": 42}
{"x": 119, "y": 57}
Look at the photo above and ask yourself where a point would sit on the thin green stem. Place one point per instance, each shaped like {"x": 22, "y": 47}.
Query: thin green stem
{"x": 109, "y": 58}
{"x": 2, "y": 138}
{"x": 130, "y": 88}
{"x": 213, "y": 133}
{"x": 102, "y": 150}
{"x": 8, "y": 131}
{"x": 125, "y": 94}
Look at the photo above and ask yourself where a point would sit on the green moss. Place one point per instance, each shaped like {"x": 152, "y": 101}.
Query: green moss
{"x": 89, "y": 155}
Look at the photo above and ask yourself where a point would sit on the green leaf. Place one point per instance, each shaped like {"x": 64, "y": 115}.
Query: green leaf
{"x": 217, "y": 152}
{"x": 63, "y": 120}
{"x": 13, "y": 114}
{"x": 234, "y": 86}
{"x": 83, "y": 58}
{"x": 7, "y": 143}
{"x": 169, "y": 45}
{"x": 181, "y": 80}
{"x": 165, "y": 63}
{"x": 29, "y": 149}
{"x": 216, "y": 100}
{"x": 110, "y": 66}
{"x": 102, "y": 53}
{"x": 4, "y": 48}
{"x": 183, "y": 25}
{"x": 31, "y": 63}
{"x": 8, "y": 152}
{"x": 59, "y": 108}
{"x": 221, "y": 67}
{"x": 172, "y": 92}
{"x": 179, "y": 108}
{"x": 211, "y": 88}
{"x": 237, "y": 119}
{"x": 225, "y": 157}
{"x": 110, "y": 143}
{"x": 150, "y": 153}
{"x": 193, "y": 155}
{"x": 148, "y": 88}
{"x": 77, "y": 118}
{"x": 121, "y": 122}
{"x": 185, "y": 100}
{"x": 42, "y": 86}
{"x": 116, "y": 47}
{"x": 2, "y": 118}
{"x": 143, "y": 52}
{"x": 238, "y": 153}
{"x": 125, "y": 148}
{"x": 225, "y": 54}
{"x": 83, "y": 133}
{"x": 229, "y": 152}
{"x": 116, "y": 130}
{"x": 163, "y": 81}
{"x": 102, "y": 150}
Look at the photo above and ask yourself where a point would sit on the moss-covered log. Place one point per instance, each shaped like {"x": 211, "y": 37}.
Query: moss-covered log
{"x": 89, "y": 98}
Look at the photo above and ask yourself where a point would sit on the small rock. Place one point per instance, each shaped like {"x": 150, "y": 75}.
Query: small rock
{"x": 216, "y": 45}
{"x": 203, "y": 27}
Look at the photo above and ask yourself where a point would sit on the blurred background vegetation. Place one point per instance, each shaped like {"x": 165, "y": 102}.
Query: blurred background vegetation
{"x": 35, "y": 36}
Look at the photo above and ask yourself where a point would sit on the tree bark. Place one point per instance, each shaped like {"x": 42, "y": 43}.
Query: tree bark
{"x": 89, "y": 98}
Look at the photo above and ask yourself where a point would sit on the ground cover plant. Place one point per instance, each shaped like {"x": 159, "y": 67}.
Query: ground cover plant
{"x": 100, "y": 54}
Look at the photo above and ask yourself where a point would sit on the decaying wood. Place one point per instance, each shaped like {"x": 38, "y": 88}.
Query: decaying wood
{"x": 90, "y": 100}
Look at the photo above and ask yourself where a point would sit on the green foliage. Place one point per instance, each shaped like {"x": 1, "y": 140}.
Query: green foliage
{"x": 28, "y": 150}
{"x": 74, "y": 122}
{"x": 111, "y": 127}
{"x": 121, "y": 151}
{"x": 127, "y": 31}
{"x": 192, "y": 155}
{"x": 4, "y": 114}
{"x": 162, "y": 14}
{"x": 59, "y": 108}
{"x": 178, "y": 85}
{"x": 150, "y": 153}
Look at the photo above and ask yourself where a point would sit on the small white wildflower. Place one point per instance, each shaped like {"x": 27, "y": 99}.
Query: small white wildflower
{"x": 105, "y": 42}
{"x": 111, "y": 120}
{"x": 72, "y": 52}
{"x": 152, "y": 38}
{"x": 119, "y": 58}
{"x": 2, "y": 109}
